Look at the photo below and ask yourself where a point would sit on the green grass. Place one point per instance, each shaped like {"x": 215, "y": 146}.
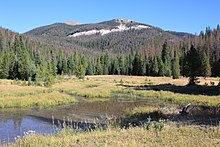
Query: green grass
{"x": 142, "y": 109}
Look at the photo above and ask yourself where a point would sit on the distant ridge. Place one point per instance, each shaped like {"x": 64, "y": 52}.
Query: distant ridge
{"x": 117, "y": 35}
{"x": 71, "y": 22}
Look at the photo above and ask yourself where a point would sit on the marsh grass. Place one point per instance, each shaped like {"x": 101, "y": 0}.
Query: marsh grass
{"x": 199, "y": 100}
{"x": 103, "y": 88}
{"x": 151, "y": 131}
{"x": 134, "y": 136}
{"x": 17, "y": 96}
{"x": 142, "y": 109}
{"x": 39, "y": 99}
{"x": 141, "y": 116}
{"x": 96, "y": 87}
{"x": 89, "y": 88}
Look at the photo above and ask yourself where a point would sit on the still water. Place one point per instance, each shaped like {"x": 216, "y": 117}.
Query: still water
{"x": 16, "y": 122}
{"x": 10, "y": 129}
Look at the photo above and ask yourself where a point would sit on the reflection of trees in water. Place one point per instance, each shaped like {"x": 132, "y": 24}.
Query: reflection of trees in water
{"x": 17, "y": 119}
{"x": 15, "y": 116}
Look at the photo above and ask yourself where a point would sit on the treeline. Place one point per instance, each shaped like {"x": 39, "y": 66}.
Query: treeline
{"x": 208, "y": 42}
{"x": 23, "y": 59}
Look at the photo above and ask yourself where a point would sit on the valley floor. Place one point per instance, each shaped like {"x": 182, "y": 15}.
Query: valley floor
{"x": 161, "y": 98}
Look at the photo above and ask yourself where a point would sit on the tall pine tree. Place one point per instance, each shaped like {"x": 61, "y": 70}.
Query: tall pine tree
{"x": 192, "y": 65}
{"x": 154, "y": 67}
{"x": 166, "y": 57}
{"x": 205, "y": 65}
{"x": 176, "y": 66}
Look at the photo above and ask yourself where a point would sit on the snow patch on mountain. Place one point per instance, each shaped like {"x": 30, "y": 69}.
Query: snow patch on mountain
{"x": 102, "y": 32}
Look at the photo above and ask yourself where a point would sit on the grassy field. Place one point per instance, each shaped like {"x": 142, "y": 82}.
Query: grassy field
{"x": 162, "y": 88}
{"x": 132, "y": 137}
{"x": 102, "y": 88}
{"x": 17, "y": 96}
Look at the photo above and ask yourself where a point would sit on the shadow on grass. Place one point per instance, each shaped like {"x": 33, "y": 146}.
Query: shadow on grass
{"x": 198, "y": 115}
{"x": 192, "y": 90}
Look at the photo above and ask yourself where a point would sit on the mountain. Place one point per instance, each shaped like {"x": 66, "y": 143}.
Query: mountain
{"x": 117, "y": 35}
{"x": 70, "y": 22}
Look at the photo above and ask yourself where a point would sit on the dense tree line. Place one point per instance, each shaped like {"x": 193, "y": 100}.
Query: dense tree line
{"x": 24, "y": 59}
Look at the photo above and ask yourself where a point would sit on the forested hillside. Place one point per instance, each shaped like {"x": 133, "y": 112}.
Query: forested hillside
{"x": 115, "y": 36}
{"x": 23, "y": 57}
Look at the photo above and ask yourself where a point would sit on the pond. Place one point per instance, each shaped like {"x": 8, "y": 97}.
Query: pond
{"x": 84, "y": 114}
{"x": 16, "y": 122}
{"x": 12, "y": 129}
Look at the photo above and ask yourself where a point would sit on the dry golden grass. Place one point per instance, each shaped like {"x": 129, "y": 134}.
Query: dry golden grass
{"x": 92, "y": 87}
{"x": 142, "y": 80}
{"x": 100, "y": 87}
{"x": 26, "y": 96}
{"x": 39, "y": 99}
{"x": 103, "y": 86}
{"x": 170, "y": 136}
{"x": 97, "y": 87}
{"x": 201, "y": 100}
{"x": 7, "y": 87}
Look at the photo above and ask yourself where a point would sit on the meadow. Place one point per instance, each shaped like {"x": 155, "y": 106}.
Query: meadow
{"x": 102, "y": 88}
{"x": 14, "y": 95}
{"x": 132, "y": 137}
{"x": 158, "y": 88}
{"x": 133, "y": 128}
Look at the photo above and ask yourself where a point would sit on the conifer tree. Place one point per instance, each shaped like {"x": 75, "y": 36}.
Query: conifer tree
{"x": 121, "y": 63}
{"x": 147, "y": 65}
{"x": 176, "y": 66}
{"x": 81, "y": 71}
{"x": 205, "y": 65}
{"x": 44, "y": 74}
{"x": 5, "y": 64}
{"x": 130, "y": 63}
{"x": 60, "y": 65}
{"x": 53, "y": 63}
{"x": 114, "y": 67}
{"x": 37, "y": 58}
{"x": 166, "y": 59}
{"x": 106, "y": 64}
{"x": 154, "y": 67}
{"x": 64, "y": 65}
{"x": 76, "y": 61}
{"x": 99, "y": 66}
{"x": 24, "y": 66}
{"x": 137, "y": 65}
{"x": 192, "y": 65}
{"x": 90, "y": 69}
{"x": 161, "y": 67}
{"x": 70, "y": 65}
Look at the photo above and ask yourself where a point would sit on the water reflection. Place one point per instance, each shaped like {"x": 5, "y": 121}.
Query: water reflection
{"x": 12, "y": 128}
{"x": 14, "y": 122}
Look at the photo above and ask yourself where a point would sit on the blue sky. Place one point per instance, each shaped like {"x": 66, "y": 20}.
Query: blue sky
{"x": 179, "y": 15}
